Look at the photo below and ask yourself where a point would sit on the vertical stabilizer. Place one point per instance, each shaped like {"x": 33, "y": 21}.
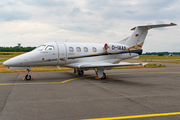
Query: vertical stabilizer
{"x": 136, "y": 40}
{"x": 137, "y": 37}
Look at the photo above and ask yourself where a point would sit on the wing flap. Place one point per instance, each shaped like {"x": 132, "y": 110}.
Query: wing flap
{"x": 110, "y": 65}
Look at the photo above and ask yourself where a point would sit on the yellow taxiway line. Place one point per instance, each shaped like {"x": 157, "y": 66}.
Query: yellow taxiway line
{"x": 136, "y": 116}
{"x": 142, "y": 73}
{"x": 74, "y": 79}
{"x": 34, "y": 83}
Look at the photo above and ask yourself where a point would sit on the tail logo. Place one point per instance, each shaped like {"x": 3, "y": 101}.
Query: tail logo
{"x": 137, "y": 35}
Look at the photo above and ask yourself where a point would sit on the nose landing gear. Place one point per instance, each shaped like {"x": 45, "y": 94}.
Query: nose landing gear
{"x": 28, "y": 76}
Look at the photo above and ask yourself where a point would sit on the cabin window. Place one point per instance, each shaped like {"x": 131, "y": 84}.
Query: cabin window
{"x": 94, "y": 49}
{"x": 40, "y": 48}
{"x": 85, "y": 49}
{"x": 71, "y": 49}
{"x": 78, "y": 49}
{"x": 50, "y": 48}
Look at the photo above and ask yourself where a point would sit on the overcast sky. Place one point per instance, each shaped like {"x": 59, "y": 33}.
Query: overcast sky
{"x": 33, "y": 22}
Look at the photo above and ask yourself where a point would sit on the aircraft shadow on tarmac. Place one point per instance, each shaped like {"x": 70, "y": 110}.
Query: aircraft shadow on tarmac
{"x": 116, "y": 80}
{"x": 59, "y": 77}
{"x": 52, "y": 76}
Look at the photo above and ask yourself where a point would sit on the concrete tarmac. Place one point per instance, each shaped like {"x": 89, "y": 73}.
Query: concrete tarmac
{"x": 65, "y": 96}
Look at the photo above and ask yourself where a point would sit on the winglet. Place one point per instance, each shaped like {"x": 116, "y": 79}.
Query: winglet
{"x": 143, "y": 64}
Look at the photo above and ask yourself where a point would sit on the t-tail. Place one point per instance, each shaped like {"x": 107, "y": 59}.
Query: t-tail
{"x": 136, "y": 40}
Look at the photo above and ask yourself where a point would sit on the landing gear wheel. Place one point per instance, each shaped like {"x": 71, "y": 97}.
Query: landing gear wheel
{"x": 104, "y": 76}
{"x": 80, "y": 72}
{"x": 28, "y": 77}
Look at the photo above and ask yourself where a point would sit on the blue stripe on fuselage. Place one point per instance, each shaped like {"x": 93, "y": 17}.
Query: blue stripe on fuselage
{"x": 139, "y": 51}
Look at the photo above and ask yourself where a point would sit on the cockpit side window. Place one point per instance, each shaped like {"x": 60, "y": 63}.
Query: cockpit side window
{"x": 40, "y": 48}
{"x": 50, "y": 47}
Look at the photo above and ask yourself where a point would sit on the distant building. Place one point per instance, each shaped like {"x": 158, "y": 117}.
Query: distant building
{"x": 19, "y": 44}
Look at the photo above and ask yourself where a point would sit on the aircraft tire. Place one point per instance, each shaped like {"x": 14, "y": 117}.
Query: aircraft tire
{"x": 80, "y": 72}
{"x": 28, "y": 77}
{"x": 104, "y": 76}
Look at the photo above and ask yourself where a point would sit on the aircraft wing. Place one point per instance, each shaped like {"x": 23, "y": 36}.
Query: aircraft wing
{"x": 109, "y": 65}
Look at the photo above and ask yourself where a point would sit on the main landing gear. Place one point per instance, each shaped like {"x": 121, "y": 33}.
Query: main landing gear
{"x": 28, "y": 76}
{"x": 100, "y": 74}
{"x": 79, "y": 71}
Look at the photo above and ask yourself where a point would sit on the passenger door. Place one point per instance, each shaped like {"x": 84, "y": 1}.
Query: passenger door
{"x": 62, "y": 54}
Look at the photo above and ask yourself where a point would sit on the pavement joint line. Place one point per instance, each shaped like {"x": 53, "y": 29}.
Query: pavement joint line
{"x": 136, "y": 116}
{"x": 34, "y": 83}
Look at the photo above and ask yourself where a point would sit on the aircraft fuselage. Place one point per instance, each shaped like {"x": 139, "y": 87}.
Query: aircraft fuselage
{"x": 65, "y": 54}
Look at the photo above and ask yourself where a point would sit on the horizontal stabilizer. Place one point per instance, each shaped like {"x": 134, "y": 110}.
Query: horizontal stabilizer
{"x": 155, "y": 26}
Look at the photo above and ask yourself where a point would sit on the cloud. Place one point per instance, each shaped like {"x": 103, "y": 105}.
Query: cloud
{"x": 75, "y": 11}
{"x": 45, "y": 3}
{"x": 14, "y": 15}
{"x": 142, "y": 10}
{"x": 131, "y": 12}
{"x": 33, "y": 22}
{"x": 89, "y": 13}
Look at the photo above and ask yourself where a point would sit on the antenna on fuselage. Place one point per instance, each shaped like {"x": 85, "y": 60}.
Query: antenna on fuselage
{"x": 66, "y": 40}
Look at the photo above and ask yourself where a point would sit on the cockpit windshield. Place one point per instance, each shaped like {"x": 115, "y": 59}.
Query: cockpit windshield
{"x": 40, "y": 48}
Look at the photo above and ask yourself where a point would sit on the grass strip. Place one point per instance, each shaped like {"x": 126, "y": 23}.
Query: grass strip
{"x": 4, "y": 69}
{"x": 165, "y": 61}
{"x": 2, "y": 60}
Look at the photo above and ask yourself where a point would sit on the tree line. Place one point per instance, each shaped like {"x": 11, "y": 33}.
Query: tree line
{"x": 161, "y": 53}
{"x": 16, "y": 49}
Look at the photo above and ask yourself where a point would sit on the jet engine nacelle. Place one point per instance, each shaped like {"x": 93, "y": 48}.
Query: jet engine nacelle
{"x": 115, "y": 47}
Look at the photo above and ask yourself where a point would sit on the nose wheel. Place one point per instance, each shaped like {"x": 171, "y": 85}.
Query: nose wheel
{"x": 28, "y": 76}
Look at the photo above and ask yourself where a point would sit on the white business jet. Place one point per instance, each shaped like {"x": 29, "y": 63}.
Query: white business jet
{"x": 85, "y": 56}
